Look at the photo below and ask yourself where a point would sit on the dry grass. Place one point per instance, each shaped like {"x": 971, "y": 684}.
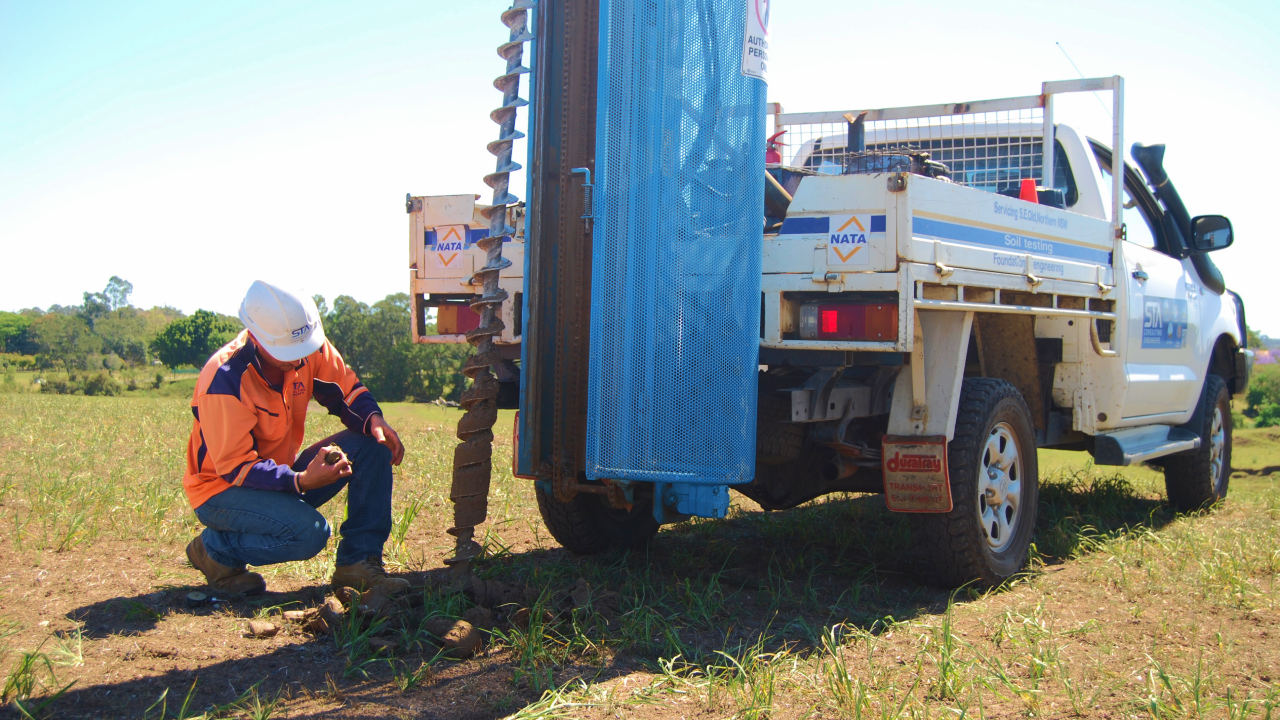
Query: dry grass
{"x": 1128, "y": 611}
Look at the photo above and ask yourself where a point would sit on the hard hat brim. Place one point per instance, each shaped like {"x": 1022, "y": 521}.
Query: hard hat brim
{"x": 294, "y": 352}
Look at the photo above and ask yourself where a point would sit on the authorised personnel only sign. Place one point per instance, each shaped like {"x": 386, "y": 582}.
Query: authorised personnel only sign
{"x": 755, "y": 40}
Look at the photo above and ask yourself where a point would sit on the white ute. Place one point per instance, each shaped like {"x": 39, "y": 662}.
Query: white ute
{"x": 924, "y": 329}
{"x": 927, "y": 329}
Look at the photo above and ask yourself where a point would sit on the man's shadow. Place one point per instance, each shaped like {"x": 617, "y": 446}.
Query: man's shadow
{"x": 138, "y": 614}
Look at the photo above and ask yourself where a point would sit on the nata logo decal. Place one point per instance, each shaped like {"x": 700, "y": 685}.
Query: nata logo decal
{"x": 913, "y": 463}
{"x": 847, "y": 240}
{"x": 449, "y": 245}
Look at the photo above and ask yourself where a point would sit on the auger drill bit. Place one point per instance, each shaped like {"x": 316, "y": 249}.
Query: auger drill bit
{"x": 472, "y": 459}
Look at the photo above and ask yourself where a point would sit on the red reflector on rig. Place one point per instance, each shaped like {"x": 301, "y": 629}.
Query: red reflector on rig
{"x": 874, "y": 322}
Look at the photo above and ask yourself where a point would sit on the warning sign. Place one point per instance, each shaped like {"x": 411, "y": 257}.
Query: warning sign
{"x": 915, "y": 474}
{"x": 847, "y": 240}
{"x": 755, "y": 40}
{"x": 451, "y": 240}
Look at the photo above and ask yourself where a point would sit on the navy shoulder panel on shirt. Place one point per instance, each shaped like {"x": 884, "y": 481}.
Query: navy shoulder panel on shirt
{"x": 226, "y": 379}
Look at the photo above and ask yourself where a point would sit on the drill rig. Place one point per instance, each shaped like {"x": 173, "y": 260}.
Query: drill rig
{"x": 642, "y": 249}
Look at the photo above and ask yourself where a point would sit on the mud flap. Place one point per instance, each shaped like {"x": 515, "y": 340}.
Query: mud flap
{"x": 915, "y": 474}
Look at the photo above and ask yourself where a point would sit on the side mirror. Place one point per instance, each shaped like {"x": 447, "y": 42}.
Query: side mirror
{"x": 1210, "y": 232}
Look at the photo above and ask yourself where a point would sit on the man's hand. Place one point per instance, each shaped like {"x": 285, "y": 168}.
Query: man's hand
{"x": 382, "y": 432}
{"x": 319, "y": 473}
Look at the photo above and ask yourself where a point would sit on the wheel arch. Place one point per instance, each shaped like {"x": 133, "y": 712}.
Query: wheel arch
{"x": 1222, "y": 362}
{"x": 1004, "y": 348}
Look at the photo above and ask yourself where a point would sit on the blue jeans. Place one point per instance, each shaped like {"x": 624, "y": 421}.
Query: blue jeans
{"x": 265, "y": 527}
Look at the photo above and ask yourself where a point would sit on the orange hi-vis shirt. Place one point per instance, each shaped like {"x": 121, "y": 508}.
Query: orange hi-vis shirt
{"x": 247, "y": 432}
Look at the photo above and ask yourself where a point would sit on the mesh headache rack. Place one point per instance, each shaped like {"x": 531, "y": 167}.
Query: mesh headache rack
{"x": 987, "y": 144}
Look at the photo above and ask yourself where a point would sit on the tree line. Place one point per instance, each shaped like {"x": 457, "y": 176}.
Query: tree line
{"x": 100, "y": 346}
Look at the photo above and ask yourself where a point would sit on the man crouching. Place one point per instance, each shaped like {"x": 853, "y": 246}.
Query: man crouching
{"x": 249, "y": 486}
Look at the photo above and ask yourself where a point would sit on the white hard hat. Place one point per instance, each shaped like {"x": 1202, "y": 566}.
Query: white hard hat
{"x": 285, "y": 323}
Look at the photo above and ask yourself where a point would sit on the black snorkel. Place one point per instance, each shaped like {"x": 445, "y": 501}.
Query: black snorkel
{"x": 1151, "y": 159}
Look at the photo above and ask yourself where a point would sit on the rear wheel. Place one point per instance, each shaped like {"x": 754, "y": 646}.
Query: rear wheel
{"x": 994, "y": 490}
{"x": 1201, "y": 478}
{"x": 778, "y": 440}
{"x": 588, "y": 524}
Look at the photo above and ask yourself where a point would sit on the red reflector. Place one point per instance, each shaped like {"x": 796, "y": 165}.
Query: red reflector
{"x": 873, "y": 323}
{"x": 882, "y": 322}
{"x": 456, "y": 319}
{"x": 829, "y": 321}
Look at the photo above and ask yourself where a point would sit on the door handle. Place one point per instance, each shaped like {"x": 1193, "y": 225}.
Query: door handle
{"x": 1141, "y": 274}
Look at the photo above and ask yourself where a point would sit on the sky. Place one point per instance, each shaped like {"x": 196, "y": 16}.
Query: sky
{"x": 192, "y": 148}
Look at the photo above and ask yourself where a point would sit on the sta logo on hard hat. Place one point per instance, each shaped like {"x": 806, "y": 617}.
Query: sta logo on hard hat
{"x": 302, "y": 332}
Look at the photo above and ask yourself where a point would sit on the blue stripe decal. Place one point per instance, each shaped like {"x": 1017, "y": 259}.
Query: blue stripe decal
{"x": 805, "y": 226}
{"x": 821, "y": 225}
{"x": 472, "y": 236}
{"x": 1009, "y": 242}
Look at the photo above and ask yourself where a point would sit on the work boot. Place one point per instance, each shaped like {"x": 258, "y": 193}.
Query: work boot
{"x": 366, "y": 575}
{"x": 223, "y": 579}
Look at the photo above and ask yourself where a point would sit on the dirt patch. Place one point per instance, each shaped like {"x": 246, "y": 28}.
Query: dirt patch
{"x": 116, "y": 617}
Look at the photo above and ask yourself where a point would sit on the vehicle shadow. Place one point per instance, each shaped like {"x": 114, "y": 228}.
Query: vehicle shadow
{"x": 756, "y": 582}
{"x": 782, "y": 579}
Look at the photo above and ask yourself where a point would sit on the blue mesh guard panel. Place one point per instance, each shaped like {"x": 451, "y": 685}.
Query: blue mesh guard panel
{"x": 677, "y": 244}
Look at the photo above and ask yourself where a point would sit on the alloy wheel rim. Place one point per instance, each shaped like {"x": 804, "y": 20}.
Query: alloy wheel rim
{"x": 1000, "y": 487}
{"x": 1217, "y": 444}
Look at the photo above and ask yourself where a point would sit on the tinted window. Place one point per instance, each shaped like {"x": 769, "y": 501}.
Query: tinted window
{"x": 1139, "y": 230}
{"x": 1063, "y": 179}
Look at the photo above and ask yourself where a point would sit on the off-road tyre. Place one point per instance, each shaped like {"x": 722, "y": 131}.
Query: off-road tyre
{"x": 588, "y": 525}
{"x": 952, "y": 548}
{"x": 778, "y": 440}
{"x": 1194, "y": 480}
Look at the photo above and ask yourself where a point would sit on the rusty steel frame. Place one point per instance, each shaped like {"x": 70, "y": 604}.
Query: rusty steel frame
{"x": 558, "y": 248}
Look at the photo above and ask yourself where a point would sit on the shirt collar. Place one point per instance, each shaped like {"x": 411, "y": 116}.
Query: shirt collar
{"x": 251, "y": 347}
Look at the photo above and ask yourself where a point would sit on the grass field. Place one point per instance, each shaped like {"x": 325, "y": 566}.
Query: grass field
{"x": 1128, "y": 610}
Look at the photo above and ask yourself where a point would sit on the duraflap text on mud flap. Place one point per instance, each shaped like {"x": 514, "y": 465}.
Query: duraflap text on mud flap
{"x": 915, "y": 473}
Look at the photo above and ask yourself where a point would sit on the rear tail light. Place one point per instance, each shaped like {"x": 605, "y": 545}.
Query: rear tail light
{"x": 867, "y": 322}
